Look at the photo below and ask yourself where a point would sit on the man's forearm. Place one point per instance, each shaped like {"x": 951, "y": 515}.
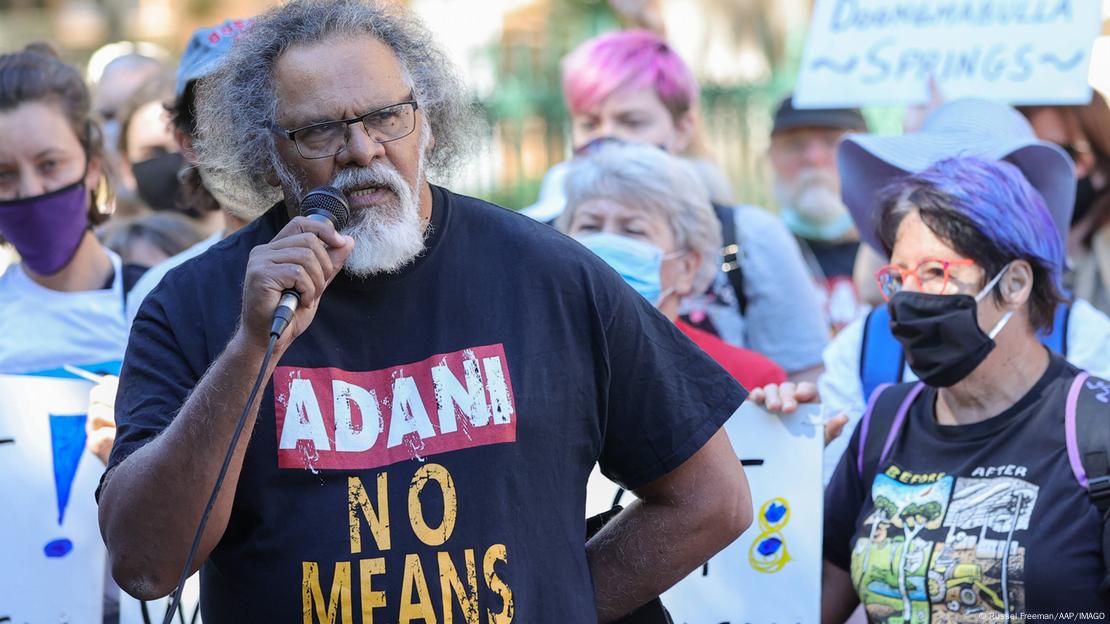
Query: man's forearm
{"x": 152, "y": 502}
{"x": 679, "y": 522}
{"x": 648, "y": 548}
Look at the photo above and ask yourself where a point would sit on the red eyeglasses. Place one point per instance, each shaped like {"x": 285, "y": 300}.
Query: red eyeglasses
{"x": 932, "y": 276}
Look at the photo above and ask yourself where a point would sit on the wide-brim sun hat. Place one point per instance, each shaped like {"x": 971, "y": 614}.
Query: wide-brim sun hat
{"x": 965, "y": 127}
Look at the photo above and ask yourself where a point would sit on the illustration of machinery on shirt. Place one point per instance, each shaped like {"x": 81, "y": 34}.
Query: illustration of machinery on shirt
{"x": 938, "y": 549}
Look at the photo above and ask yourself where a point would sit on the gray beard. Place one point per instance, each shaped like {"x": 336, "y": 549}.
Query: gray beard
{"x": 387, "y": 236}
{"x": 814, "y": 196}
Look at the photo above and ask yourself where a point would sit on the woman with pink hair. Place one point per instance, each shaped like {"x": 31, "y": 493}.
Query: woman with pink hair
{"x": 631, "y": 86}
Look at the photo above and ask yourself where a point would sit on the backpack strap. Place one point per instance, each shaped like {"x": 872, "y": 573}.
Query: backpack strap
{"x": 881, "y": 360}
{"x": 1087, "y": 435}
{"x": 730, "y": 254}
{"x": 1057, "y": 339}
{"x": 882, "y": 423}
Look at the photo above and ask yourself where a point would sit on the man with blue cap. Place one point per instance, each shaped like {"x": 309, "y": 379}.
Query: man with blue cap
{"x": 203, "y": 189}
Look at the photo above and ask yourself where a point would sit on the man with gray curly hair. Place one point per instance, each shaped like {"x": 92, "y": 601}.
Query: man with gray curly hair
{"x": 453, "y": 373}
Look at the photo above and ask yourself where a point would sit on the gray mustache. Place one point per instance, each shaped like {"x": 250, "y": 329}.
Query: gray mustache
{"x": 354, "y": 179}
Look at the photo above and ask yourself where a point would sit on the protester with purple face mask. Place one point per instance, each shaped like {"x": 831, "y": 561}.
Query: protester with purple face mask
{"x": 62, "y": 304}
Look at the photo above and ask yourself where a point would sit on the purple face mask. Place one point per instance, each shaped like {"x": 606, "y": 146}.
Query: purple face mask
{"x": 47, "y": 229}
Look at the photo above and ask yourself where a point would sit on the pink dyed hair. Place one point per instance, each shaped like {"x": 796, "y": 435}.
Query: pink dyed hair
{"x": 627, "y": 59}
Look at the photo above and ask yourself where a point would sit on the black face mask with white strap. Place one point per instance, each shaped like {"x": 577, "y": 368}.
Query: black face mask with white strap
{"x": 941, "y": 335}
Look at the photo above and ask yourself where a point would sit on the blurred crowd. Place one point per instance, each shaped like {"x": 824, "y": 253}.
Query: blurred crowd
{"x": 969, "y": 255}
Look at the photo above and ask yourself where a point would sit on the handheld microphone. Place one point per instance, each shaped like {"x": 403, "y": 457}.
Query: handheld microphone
{"x": 323, "y": 204}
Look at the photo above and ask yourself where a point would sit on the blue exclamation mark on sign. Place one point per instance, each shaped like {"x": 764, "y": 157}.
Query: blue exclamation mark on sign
{"x": 67, "y": 439}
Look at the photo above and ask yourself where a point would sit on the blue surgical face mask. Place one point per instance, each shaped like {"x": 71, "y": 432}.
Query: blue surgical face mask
{"x": 637, "y": 262}
{"x": 828, "y": 231}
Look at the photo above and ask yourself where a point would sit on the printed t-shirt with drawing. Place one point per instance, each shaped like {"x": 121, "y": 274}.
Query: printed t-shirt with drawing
{"x": 995, "y": 519}
{"x": 425, "y": 444}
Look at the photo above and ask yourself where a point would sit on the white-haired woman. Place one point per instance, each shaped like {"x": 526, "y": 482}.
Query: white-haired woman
{"x": 648, "y": 215}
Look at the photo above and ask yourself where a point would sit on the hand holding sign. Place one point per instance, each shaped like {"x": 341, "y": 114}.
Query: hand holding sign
{"x": 100, "y": 426}
{"x": 785, "y": 398}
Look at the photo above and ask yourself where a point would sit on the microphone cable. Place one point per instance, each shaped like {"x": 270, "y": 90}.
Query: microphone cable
{"x": 325, "y": 203}
{"x": 220, "y": 480}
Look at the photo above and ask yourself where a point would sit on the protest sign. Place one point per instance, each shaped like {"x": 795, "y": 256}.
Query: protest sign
{"x": 53, "y": 563}
{"x": 879, "y": 52}
{"x": 757, "y": 579}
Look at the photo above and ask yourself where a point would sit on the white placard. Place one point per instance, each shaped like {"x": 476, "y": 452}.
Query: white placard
{"x": 52, "y": 565}
{"x": 772, "y": 573}
{"x": 880, "y": 52}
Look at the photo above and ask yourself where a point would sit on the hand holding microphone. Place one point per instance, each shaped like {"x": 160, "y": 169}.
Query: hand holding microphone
{"x": 281, "y": 290}
{"x": 286, "y": 277}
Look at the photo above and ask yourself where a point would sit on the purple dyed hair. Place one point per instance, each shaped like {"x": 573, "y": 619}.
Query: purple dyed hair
{"x": 631, "y": 59}
{"x": 987, "y": 211}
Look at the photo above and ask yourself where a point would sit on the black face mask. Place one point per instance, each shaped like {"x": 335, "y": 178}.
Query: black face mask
{"x": 941, "y": 335}
{"x": 157, "y": 180}
{"x": 1085, "y": 198}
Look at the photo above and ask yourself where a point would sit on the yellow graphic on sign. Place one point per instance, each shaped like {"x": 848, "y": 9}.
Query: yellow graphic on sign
{"x": 768, "y": 552}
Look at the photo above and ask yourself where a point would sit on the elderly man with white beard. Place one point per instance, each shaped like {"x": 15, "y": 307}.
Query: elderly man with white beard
{"x": 807, "y": 191}
{"x": 433, "y": 411}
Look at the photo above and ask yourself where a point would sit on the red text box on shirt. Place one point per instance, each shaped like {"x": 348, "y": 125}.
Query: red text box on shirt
{"x": 329, "y": 418}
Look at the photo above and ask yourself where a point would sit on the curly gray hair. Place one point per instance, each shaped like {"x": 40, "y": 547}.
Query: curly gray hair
{"x": 236, "y": 106}
{"x": 647, "y": 178}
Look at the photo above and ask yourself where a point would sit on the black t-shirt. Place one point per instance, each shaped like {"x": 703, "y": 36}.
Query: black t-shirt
{"x": 432, "y": 431}
{"x": 993, "y": 512}
{"x": 833, "y": 259}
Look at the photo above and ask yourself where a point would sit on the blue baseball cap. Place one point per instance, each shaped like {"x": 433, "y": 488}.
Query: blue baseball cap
{"x": 207, "y": 47}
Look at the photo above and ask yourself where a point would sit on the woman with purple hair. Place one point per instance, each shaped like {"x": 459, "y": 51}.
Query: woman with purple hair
{"x": 631, "y": 86}
{"x": 961, "y": 495}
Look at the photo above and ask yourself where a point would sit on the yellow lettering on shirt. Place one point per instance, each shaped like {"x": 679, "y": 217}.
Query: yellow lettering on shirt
{"x": 414, "y": 577}
{"x": 371, "y": 598}
{"x": 433, "y": 536}
{"x": 358, "y": 500}
{"x": 451, "y": 587}
{"x": 496, "y": 553}
{"x": 312, "y": 595}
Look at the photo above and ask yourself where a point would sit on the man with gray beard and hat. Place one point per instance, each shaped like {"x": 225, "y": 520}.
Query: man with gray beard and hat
{"x": 807, "y": 191}
{"x": 435, "y": 407}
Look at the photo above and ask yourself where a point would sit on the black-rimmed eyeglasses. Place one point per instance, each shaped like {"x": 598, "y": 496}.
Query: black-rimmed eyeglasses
{"x": 326, "y": 139}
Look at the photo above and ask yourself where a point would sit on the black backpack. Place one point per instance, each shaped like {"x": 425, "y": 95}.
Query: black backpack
{"x": 1086, "y": 430}
{"x": 730, "y": 254}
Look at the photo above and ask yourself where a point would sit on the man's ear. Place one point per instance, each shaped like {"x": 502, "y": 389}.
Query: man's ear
{"x": 185, "y": 144}
{"x": 431, "y": 135}
{"x": 272, "y": 178}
